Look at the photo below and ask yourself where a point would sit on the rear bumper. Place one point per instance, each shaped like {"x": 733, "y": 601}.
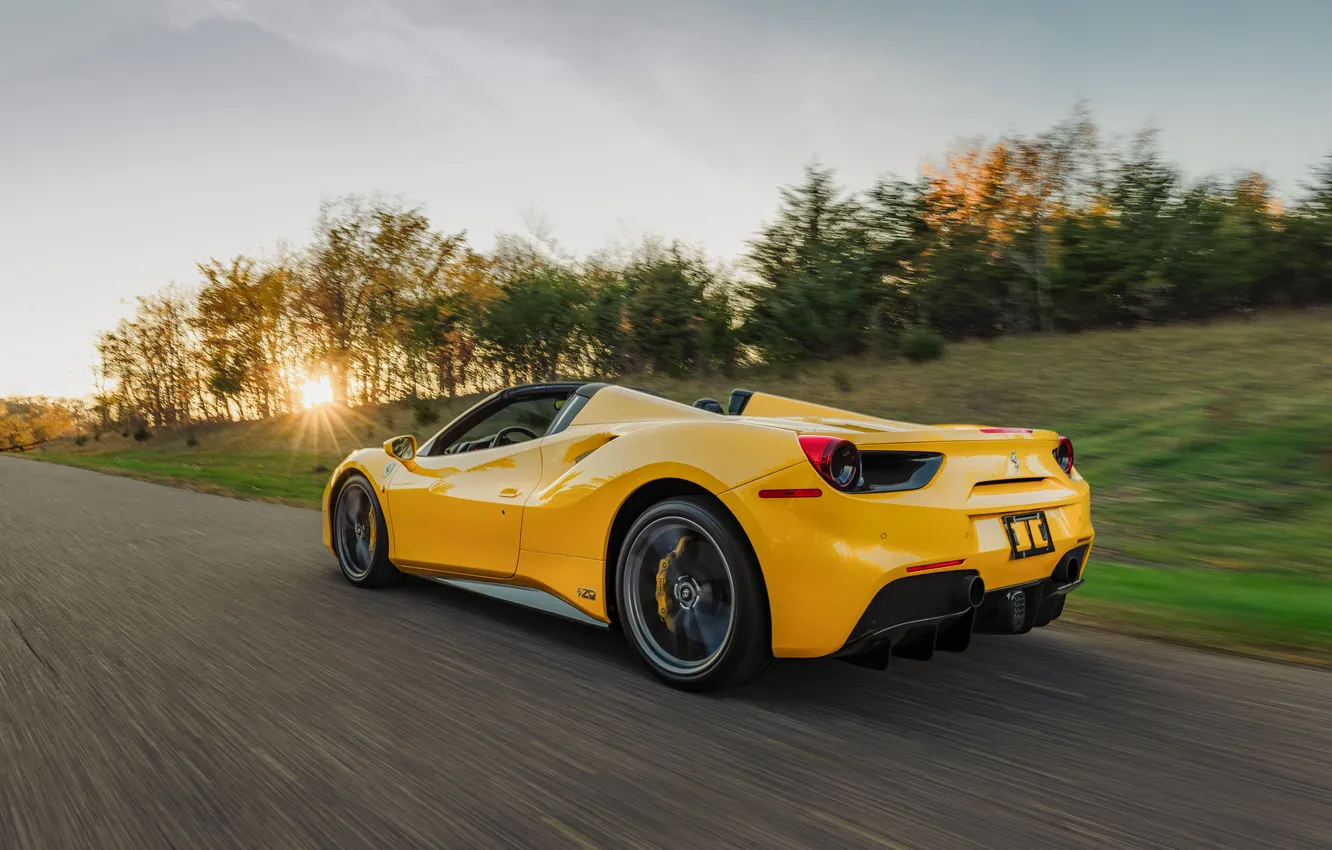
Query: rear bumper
{"x": 836, "y": 567}
{"x": 917, "y": 615}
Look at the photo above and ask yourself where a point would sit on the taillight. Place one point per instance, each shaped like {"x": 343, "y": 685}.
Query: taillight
{"x": 836, "y": 460}
{"x": 1064, "y": 454}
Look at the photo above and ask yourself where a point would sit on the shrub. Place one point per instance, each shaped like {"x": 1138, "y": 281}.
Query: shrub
{"x": 786, "y": 368}
{"x": 921, "y": 344}
{"x": 192, "y": 442}
{"x": 841, "y": 381}
{"x": 80, "y": 439}
{"x": 424, "y": 412}
{"x": 142, "y": 433}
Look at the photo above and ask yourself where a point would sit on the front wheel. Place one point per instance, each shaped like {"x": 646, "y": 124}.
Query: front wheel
{"x": 360, "y": 535}
{"x": 691, "y": 598}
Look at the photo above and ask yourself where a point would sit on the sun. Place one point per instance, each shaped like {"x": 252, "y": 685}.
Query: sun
{"x": 315, "y": 393}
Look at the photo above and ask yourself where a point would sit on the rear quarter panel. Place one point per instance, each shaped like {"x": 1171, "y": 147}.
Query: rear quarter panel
{"x": 573, "y": 508}
{"x": 589, "y": 472}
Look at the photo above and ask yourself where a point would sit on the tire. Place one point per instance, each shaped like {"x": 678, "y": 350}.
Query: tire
{"x": 360, "y": 535}
{"x": 691, "y": 598}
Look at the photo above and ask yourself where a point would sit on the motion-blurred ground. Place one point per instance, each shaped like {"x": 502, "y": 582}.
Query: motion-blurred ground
{"x": 179, "y": 670}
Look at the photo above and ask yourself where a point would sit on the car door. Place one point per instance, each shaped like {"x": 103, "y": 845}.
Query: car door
{"x": 461, "y": 512}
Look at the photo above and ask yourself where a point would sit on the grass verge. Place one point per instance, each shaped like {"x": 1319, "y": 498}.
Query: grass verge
{"x": 269, "y": 476}
{"x": 1271, "y": 615}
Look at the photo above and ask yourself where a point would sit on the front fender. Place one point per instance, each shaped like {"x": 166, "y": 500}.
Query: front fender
{"x": 376, "y": 466}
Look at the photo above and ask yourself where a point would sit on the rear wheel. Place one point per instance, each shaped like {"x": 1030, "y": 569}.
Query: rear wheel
{"x": 691, "y": 598}
{"x": 360, "y": 535}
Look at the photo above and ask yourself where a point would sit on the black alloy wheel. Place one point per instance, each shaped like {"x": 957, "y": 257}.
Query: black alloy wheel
{"x": 691, "y": 597}
{"x": 360, "y": 535}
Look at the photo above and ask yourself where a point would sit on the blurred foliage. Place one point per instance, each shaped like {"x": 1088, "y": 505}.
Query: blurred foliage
{"x": 30, "y": 421}
{"x": 423, "y": 412}
{"x": 922, "y": 344}
{"x": 1053, "y": 232}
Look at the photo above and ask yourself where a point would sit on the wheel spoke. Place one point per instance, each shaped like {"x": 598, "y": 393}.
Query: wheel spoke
{"x": 686, "y": 636}
{"x": 711, "y": 630}
{"x": 688, "y": 631}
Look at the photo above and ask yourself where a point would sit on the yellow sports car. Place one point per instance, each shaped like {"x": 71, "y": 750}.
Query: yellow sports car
{"x": 719, "y": 539}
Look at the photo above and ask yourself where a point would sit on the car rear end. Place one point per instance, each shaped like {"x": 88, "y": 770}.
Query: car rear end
{"x": 901, "y": 539}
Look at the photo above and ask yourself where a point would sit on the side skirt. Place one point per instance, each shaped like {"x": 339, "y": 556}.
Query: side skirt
{"x": 527, "y": 597}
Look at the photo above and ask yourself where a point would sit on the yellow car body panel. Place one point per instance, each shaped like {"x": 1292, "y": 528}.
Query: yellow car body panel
{"x": 822, "y": 559}
{"x": 463, "y": 512}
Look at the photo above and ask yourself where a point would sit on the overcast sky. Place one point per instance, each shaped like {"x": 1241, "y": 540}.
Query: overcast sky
{"x": 138, "y": 137}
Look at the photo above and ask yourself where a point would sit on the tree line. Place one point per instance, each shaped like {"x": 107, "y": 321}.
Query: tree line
{"x": 1057, "y": 231}
{"x": 29, "y": 421}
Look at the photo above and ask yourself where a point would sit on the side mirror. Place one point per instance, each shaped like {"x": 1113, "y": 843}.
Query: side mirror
{"x": 403, "y": 448}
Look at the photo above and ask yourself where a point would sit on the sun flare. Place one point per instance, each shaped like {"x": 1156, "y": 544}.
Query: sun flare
{"x": 315, "y": 393}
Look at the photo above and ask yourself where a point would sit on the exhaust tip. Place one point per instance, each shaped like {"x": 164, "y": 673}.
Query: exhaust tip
{"x": 975, "y": 592}
{"x": 1068, "y": 571}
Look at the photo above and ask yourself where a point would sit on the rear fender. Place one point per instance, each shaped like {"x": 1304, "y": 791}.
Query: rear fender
{"x": 581, "y": 492}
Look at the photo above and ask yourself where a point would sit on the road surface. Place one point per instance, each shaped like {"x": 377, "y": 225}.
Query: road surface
{"x": 181, "y": 670}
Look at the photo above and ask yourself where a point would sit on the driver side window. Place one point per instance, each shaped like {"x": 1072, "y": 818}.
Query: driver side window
{"x": 517, "y": 423}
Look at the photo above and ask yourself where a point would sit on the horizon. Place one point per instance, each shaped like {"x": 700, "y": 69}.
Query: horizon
{"x": 152, "y": 134}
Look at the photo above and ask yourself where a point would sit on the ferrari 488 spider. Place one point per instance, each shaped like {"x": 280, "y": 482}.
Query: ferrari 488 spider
{"x": 717, "y": 539}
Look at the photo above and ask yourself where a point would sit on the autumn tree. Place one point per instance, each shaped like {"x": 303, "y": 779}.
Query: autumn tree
{"x": 153, "y": 361}
{"x": 243, "y": 320}
{"x": 28, "y": 421}
{"x": 366, "y": 259}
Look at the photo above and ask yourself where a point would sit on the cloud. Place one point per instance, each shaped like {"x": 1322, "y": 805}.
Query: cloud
{"x": 720, "y": 79}
{"x": 360, "y": 32}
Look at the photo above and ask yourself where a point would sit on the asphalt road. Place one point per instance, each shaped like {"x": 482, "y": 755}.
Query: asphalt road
{"x": 182, "y": 670}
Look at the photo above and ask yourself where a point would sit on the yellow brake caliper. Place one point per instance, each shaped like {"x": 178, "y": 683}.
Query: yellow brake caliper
{"x": 662, "y": 567}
